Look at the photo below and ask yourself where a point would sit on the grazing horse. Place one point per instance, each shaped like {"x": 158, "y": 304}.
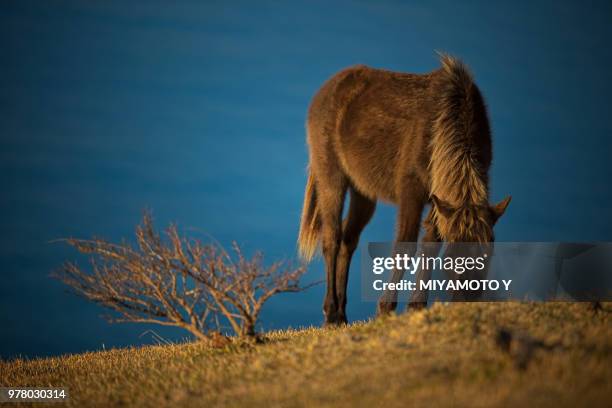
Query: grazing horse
{"x": 407, "y": 139}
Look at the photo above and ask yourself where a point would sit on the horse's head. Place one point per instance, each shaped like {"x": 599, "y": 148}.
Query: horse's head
{"x": 469, "y": 222}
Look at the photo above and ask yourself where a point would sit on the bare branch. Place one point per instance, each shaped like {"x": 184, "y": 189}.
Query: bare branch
{"x": 176, "y": 281}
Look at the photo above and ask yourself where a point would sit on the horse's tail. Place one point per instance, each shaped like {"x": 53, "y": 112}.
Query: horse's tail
{"x": 461, "y": 116}
{"x": 310, "y": 224}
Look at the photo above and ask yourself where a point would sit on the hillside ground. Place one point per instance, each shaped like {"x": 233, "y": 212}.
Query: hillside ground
{"x": 476, "y": 355}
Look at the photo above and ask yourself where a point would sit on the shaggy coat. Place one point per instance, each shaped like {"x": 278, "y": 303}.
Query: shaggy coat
{"x": 403, "y": 138}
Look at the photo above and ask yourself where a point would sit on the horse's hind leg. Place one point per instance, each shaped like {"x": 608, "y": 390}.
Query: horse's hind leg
{"x": 360, "y": 212}
{"x": 331, "y": 185}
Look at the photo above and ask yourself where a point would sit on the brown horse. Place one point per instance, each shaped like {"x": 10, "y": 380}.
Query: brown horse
{"x": 403, "y": 138}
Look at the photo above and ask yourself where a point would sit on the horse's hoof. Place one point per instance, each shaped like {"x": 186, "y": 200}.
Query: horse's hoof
{"x": 331, "y": 320}
{"x": 416, "y": 306}
{"x": 385, "y": 308}
{"x": 328, "y": 324}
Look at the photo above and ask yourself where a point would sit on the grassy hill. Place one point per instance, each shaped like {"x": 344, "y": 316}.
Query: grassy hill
{"x": 516, "y": 354}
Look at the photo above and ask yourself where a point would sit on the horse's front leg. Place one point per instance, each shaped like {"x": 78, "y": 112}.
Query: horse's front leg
{"x": 410, "y": 207}
{"x": 431, "y": 245}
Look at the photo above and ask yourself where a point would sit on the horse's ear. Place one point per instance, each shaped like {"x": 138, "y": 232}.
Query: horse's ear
{"x": 498, "y": 209}
{"x": 442, "y": 207}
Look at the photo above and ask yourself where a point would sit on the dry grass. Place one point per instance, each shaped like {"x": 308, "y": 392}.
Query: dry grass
{"x": 445, "y": 356}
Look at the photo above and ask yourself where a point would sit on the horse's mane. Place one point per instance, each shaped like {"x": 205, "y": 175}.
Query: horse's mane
{"x": 457, "y": 174}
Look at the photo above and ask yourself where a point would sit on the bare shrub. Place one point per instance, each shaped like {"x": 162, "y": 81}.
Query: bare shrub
{"x": 176, "y": 281}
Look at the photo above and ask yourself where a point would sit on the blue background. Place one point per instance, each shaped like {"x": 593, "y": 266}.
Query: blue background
{"x": 197, "y": 111}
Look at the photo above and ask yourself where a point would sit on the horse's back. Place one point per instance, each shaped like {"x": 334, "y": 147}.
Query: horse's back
{"x": 370, "y": 121}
